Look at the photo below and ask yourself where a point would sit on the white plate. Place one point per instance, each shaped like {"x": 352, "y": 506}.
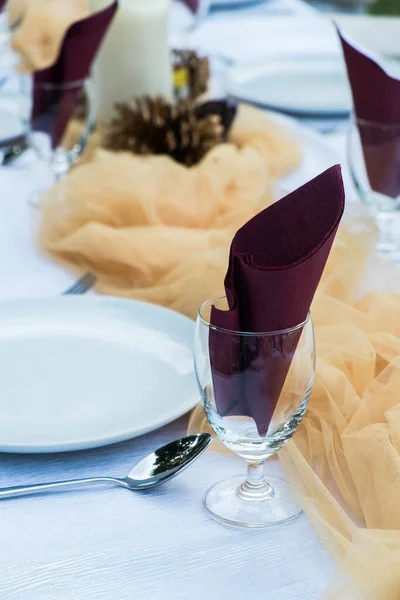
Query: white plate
{"x": 377, "y": 33}
{"x": 82, "y": 372}
{"x": 314, "y": 86}
{"x": 235, "y": 3}
{"x": 318, "y": 155}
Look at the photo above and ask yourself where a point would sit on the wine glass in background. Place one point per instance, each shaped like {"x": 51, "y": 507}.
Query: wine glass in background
{"x": 57, "y": 131}
{"x": 254, "y": 389}
{"x": 373, "y": 156}
{"x": 12, "y": 125}
{"x": 198, "y": 10}
{"x": 187, "y": 15}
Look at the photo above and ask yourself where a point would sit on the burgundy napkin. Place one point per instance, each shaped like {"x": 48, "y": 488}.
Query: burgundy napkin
{"x": 376, "y": 97}
{"x": 193, "y": 5}
{"x": 275, "y": 264}
{"x": 77, "y": 54}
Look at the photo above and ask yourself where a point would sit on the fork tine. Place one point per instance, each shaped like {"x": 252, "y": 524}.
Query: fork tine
{"x": 73, "y": 289}
{"x": 84, "y": 284}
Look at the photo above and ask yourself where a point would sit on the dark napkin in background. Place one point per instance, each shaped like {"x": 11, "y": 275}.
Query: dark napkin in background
{"x": 193, "y": 5}
{"x": 376, "y": 98}
{"x": 275, "y": 264}
{"x": 53, "y": 110}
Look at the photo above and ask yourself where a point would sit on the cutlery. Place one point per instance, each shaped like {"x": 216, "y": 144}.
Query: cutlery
{"x": 13, "y": 148}
{"x": 83, "y": 285}
{"x": 14, "y": 152}
{"x": 157, "y": 468}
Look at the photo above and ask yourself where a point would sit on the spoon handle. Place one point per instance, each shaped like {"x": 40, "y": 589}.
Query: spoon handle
{"x": 38, "y": 488}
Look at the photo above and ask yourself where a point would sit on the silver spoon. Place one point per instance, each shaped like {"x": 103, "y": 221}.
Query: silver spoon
{"x": 158, "y": 467}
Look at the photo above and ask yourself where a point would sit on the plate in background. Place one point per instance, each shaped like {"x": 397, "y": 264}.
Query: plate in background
{"x": 306, "y": 86}
{"x": 380, "y": 34}
{"x": 235, "y": 3}
{"x": 318, "y": 155}
{"x": 82, "y": 372}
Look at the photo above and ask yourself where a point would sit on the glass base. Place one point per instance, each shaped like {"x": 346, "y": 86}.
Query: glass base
{"x": 226, "y": 502}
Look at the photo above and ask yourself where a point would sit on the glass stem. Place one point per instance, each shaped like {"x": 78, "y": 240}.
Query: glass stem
{"x": 60, "y": 164}
{"x": 255, "y": 487}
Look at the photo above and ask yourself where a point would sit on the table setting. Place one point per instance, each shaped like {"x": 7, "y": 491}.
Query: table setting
{"x": 199, "y": 301}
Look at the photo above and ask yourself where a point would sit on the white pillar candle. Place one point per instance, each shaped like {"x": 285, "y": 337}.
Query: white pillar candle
{"x": 135, "y": 57}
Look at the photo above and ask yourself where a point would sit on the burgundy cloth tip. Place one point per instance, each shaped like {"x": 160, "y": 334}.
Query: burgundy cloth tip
{"x": 376, "y": 98}
{"x": 78, "y": 51}
{"x": 275, "y": 264}
{"x": 193, "y": 5}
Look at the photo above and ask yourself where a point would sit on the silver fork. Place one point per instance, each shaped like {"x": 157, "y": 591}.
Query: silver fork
{"x": 83, "y": 285}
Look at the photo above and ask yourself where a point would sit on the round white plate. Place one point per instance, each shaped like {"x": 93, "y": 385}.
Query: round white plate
{"x": 82, "y": 372}
{"x": 315, "y": 86}
{"x": 234, "y": 3}
{"x": 318, "y": 156}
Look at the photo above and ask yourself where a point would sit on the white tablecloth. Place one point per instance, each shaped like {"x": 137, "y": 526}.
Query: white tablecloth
{"x": 110, "y": 544}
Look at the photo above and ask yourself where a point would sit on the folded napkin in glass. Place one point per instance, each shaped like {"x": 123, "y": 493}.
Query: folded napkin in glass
{"x": 275, "y": 264}
{"x": 376, "y": 97}
{"x": 193, "y": 5}
{"x": 78, "y": 52}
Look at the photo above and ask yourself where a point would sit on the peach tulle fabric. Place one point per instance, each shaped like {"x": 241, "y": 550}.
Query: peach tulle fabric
{"x": 345, "y": 458}
{"x": 154, "y": 230}
{"x": 39, "y": 36}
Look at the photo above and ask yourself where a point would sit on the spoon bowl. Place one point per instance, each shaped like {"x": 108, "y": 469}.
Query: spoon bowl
{"x": 166, "y": 462}
{"x": 157, "y": 468}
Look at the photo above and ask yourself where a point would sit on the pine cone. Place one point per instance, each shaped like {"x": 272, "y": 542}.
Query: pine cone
{"x": 184, "y": 131}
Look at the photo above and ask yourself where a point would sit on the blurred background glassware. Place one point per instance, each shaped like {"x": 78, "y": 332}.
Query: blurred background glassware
{"x": 187, "y": 15}
{"x": 12, "y": 125}
{"x": 201, "y": 12}
{"x": 201, "y": 9}
{"x": 254, "y": 502}
{"x": 58, "y": 131}
{"x": 373, "y": 156}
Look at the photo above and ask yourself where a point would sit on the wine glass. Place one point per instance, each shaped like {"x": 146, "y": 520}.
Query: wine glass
{"x": 373, "y": 156}
{"x": 12, "y": 126}
{"x": 190, "y": 19}
{"x": 57, "y": 131}
{"x": 254, "y": 388}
